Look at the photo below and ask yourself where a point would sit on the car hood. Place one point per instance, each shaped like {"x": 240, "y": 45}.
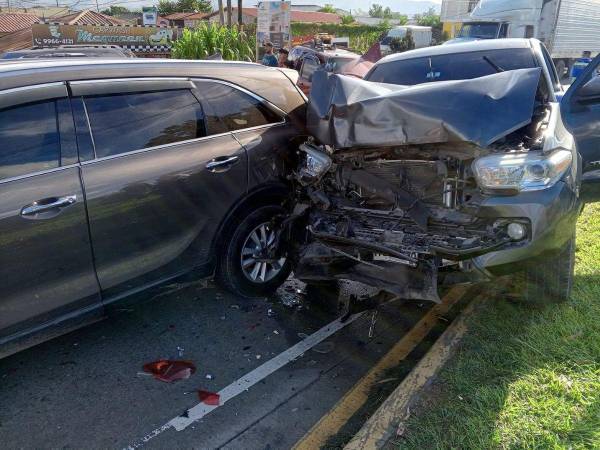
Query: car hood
{"x": 349, "y": 112}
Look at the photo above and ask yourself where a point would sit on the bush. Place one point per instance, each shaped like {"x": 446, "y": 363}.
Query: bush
{"x": 210, "y": 38}
{"x": 361, "y": 36}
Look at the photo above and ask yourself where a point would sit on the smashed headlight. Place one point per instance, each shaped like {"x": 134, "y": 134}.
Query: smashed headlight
{"x": 316, "y": 163}
{"x": 531, "y": 171}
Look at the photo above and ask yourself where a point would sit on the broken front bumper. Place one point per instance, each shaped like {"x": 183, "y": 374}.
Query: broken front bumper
{"x": 551, "y": 214}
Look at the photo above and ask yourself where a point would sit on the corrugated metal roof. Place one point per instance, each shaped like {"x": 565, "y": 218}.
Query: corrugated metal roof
{"x": 11, "y": 22}
{"x": 19, "y": 40}
{"x": 88, "y": 17}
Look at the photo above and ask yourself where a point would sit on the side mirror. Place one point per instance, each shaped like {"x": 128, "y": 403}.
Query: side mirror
{"x": 590, "y": 187}
{"x": 590, "y": 90}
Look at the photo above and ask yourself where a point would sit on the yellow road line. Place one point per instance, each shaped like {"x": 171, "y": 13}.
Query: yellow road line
{"x": 384, "y": 424}
{"x": 354, "y": 399}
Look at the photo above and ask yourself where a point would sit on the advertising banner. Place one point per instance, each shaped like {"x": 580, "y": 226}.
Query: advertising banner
{"x": 132, "y": 37}
{"x": 273, "y": 25}
{"x": 149, "y": 15}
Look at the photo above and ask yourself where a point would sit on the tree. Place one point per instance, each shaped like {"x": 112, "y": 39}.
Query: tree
{"x": 115, "y": 10}
{"x": 166, "y": 7}
{"x": 194, "y": 6}
{"x": 376, "y": 11}
{"x": 429, "y": 19}
{"x": 347, "y": 19}
{"x": 328, "y": 8}
{"x": 403, "y": 44}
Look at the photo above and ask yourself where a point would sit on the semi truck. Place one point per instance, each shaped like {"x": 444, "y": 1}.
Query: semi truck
{"x": 566, "y": 27}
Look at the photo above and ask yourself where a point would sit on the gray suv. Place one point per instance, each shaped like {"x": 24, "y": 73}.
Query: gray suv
{"x": 117, "y": 175}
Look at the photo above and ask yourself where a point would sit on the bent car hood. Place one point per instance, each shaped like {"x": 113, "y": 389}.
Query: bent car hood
{"x": 348, "y": 112}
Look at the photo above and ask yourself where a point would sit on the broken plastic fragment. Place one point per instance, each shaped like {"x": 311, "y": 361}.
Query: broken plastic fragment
{"x": 209, "y": 398}
{"x": 170, "y": 370}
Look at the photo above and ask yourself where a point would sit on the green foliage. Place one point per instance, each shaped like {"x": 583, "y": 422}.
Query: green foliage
{"x": 210, "y": 38}
{"x": 115, "y": 10}
{"x": 166, "y": 7}
{"x": 347, "y": 19}
{"x": 328, "y": 8}
{"x": 361, "y": 36}
{"x": 376, "y": 10}
{"x": 429, "y": 19}
{"x": 403, "y": 44}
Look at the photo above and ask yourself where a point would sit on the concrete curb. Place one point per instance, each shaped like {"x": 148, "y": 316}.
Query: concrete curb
{"x": 385, "y": 422}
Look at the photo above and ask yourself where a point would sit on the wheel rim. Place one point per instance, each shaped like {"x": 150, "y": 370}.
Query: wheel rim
{"x": 257, "y": 265}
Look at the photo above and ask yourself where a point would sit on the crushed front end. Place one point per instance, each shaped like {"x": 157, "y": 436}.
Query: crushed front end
{"x": 403, "y": 213}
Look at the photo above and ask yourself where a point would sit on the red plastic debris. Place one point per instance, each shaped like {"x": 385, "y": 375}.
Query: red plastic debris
{"x": 170, "y": 370}
{"x": 209, "y": 398}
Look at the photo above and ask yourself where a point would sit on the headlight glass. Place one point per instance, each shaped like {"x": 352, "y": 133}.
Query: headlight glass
{"x": 316, "y": 163}
{"x": 529, "y": 171}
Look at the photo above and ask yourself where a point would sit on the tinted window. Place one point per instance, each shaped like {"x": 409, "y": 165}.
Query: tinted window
{"x": 124, "y": 122}
{"x": 29, "y": 139}
{"x": 458, "y": 66}
{"x": 229, "y": 109}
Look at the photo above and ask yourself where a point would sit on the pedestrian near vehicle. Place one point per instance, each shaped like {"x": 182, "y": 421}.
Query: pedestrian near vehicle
{"x": 269, "y": 59}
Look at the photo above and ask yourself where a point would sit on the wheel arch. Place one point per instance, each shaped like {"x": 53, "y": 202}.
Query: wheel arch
{"x": 264, "y": 195}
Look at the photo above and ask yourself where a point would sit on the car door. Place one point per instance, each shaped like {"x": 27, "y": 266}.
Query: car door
{"x": 157, "y": 184}
{"x": 46, "y": 265}
{"x": 580, "y": 110}
{"x": 259, "y": 126}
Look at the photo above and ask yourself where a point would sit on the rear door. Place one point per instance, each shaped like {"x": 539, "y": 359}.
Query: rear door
{"x": 157, "y": 184}
{"x": 46, "y": 268}
{"x": 580, "y": 110}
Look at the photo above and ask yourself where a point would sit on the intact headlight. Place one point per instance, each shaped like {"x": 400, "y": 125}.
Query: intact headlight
{"x": 531, "y": 171}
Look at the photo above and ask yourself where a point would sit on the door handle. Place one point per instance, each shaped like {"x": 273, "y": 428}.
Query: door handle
{"x": 221, "y": 163}
{"x": 48, "y": 204}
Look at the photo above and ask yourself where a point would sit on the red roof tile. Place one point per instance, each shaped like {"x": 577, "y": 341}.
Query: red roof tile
{"x": 11, "y": 22}
{"x": 296, "y": 16}
{"x": 88, "y": 17}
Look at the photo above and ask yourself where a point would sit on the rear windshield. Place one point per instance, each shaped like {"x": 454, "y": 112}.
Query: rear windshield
{"x": 456, "y": 66}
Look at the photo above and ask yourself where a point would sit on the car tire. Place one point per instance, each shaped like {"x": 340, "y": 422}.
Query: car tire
{"x": 240, "y": 266}
{"x": 551, "y": 280}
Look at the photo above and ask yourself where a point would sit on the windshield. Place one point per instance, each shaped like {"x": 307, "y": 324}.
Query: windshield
{"x": 479, "y": 30}
{"x": 454, "y": 66}
{"x": 336, "y": 65}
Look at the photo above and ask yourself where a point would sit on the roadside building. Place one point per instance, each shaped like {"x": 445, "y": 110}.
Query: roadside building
{"x": 13, "y": 22}
{"x": 88, "y": 17}
{"x": 454, "y": 13}
{"x": 186, "y": 19}
{"x": 249, "y": 16}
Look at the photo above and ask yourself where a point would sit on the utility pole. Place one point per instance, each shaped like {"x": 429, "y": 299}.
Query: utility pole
{"x": 229, "y": 13}
{"x": 240, "y": 18}
{"x": 97, "y": 8}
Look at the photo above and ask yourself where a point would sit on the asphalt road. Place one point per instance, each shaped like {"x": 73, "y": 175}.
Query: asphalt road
{"x": 87, "y": 390}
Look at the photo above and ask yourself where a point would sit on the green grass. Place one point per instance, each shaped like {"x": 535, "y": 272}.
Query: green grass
{"x": 523, "y": 378}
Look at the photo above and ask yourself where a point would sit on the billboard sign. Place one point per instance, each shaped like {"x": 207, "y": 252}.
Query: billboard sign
{"x": 149, "y": 15}
{"x": 133, "y": 37}
{"x": 273, "y": 25}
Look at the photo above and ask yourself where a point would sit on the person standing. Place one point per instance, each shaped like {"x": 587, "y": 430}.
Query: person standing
{"x": 269, "y": 59}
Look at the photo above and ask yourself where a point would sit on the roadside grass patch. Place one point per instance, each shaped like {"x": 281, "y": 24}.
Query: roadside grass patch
{"x": 523, "y": 377}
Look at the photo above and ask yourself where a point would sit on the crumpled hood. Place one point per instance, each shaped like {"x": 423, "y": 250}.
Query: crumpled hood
{"x": 348, "y": 112}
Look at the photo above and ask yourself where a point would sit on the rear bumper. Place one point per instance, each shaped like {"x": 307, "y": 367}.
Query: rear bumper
{"x": 551, "y": 213}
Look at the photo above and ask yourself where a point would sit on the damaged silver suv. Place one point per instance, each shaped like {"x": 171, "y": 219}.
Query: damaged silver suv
{"x": 447, "y": 164}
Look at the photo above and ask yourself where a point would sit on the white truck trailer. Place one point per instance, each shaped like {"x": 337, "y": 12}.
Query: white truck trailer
{"x": 567, "y": 27}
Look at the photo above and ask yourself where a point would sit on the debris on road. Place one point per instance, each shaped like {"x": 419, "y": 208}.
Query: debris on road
{"x": 180, "y": 351}
{"x": 170, "y": 370}
{"x": 209, "y": 398}
{"x": 209, "y": 376}
{"x": 323, "y": 347}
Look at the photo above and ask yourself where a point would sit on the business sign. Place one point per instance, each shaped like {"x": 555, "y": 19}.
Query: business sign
{"x": 149, "y": 15}
{"x": 273, "y": 25}
{"x": 133, "y": 37}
